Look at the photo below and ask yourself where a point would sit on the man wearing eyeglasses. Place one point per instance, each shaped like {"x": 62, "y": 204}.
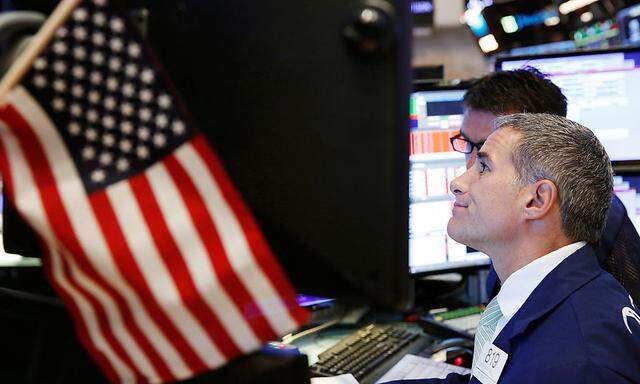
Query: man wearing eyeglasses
{"x": 528, "y": 90}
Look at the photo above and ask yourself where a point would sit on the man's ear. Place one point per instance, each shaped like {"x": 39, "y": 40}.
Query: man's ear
{"x": 542, "y": 196}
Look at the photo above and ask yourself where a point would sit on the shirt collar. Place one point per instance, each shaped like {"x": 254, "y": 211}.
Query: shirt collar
{"x": 517, "y": 288}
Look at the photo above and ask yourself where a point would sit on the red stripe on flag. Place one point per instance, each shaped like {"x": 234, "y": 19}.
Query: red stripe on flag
{"x": 79, "y": 326}
{"x": 255, "y": 239}
{"x": 211, "y": 240}
{"x": 63, "y": 230}
{"x": 130, "y": 269}
{"x": 176, "y": 264}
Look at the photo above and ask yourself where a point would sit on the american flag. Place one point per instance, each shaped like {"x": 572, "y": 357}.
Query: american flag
{"x": 153, "y": 251}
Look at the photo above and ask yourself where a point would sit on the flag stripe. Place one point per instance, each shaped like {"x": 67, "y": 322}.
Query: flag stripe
{"x": 199, "y": 352}
{"x": 241, "y": 237}
{"x": 172, "y": 353}
{"x": 170, "y": 253}
{"x": 27, "y": 201}
{"x": 206, "y": 228}
{"x": 59, "y": 220}
{"x": 178, "y": 220}
{"x": 80, "y": 232}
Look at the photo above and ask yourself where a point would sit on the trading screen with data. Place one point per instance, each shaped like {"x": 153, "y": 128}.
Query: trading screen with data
{"x": 436, "y": 115}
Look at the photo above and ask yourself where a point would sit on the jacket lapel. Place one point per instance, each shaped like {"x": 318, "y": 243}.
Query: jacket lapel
{"x": 575, "y": 271}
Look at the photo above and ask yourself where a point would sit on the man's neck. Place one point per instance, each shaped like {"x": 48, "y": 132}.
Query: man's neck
{"x": 510, "y": 258}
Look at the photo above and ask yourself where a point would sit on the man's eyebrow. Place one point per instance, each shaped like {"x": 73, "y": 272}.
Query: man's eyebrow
{"x": 483, "y": 155}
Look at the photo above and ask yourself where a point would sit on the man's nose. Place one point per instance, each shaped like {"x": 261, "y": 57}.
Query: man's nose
{"x": 457, "y": 186}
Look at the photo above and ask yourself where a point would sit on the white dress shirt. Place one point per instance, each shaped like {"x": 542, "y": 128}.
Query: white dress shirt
{"x": 517, "y": 288}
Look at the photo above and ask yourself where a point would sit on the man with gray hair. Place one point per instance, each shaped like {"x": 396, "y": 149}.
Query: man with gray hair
{"x": 535, "y": 201}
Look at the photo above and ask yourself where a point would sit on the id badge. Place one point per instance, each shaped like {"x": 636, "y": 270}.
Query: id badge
{"x": 490, "y": 365}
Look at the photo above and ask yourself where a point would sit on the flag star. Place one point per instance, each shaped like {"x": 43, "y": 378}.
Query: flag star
{"x": 88, "y": 153}
{"x": 99, "y": 19}
{"x": 40, "y": 63}
{"x": 109, "y": 122}
{"x": 94, "y": 97}
{"x": 39, "y": 81}
{"x": 97, "y": 58}
{"x": 108, "y": 140}
{"x": 128, "y": 89}
{"x": 147, "y": 76}
{"x": 122, "y": 164}
{"x": 178, "y": 127}
{"x": 59, "y": 85}
{"x": 59, "y": 67}
{"x": 98, "y": 39}
{"x": 162, "y": 121}
{"x": 60, "y": 48}
{"x": 116, "y": 24}
{"x": 75, "y": 109}
{"x": 91, "y": 134}
{"x": 80, "y": 14}
{"x": 144, "y": 133}
{"x": 77, "y": 90}
{"x": 58, "y": 104}
{"x": 144, "y": 114}
{"x": 142, "y": 152}
{"x": 109, "y": 103}
{"x": 98, "y": 175}
{"x": 96, "y": 77}
{"x": 115, "y": 64}
{"x": 134, "y": 50}
{"x": 105, "y": 158}
{"x": 131, "y": 70}
{"x": 80, "y": 33}
{"x": 74, "y": 128}
{"x": 164, "y": 101}
{"x": 159, "y": 140}
{"x": 116, "y": 44}
{"x": 92, "y": 116}
{"x": 112, "y": 84}
{"x": 146, "y": 95}
{"x": 126, "y": 109}
{"x": 78, "y": 72}
{"x": 125, "y": 146}
{"x": 62, "y": 32}
{"x": 126, "y": 127}
{"x": 79, "y": 53}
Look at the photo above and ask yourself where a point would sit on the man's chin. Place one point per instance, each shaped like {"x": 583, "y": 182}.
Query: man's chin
{"x": 458, "y": 234}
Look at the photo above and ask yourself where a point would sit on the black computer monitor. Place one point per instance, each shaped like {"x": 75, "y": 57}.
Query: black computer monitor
{"x": 603, "y": 93}
{"x": 436, "y": 115}
{"x": 313, "y": 133}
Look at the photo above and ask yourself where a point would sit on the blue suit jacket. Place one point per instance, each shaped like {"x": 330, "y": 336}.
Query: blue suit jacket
{"x": 569, "y": 330}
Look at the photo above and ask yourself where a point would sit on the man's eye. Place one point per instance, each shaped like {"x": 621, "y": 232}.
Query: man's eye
{"x": 483, "y": 166}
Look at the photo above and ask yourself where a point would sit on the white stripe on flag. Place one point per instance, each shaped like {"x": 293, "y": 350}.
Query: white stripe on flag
{"x": 234, "y": 242}
{"x": 196, "y": 257}
{"x": 156, "y": 274}
{"x": 84, "y": 223}
{"x": 28, "y": 202}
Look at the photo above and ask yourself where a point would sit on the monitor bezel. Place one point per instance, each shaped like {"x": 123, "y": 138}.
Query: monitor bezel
{"x": 618, "y": 165}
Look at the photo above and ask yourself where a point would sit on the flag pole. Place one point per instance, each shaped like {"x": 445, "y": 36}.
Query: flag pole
{"x": 35, "y": 47}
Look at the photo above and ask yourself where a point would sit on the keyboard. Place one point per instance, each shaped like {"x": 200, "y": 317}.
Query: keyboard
{"x": 370, "y": 352}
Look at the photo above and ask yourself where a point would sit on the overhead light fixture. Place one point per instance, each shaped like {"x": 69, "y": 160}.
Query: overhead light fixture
{"x": 551, "y": 21}
{"x": 509, "y": 24}
{"x": 572, "y": 5}
{"x": 586, "y": 17}
{"x": 488, "y": 43}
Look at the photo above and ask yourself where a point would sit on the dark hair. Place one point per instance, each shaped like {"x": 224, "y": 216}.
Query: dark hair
{"x": 522, "y": 90}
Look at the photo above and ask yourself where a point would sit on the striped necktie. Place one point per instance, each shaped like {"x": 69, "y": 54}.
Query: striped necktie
{"x": 486, "y": 327}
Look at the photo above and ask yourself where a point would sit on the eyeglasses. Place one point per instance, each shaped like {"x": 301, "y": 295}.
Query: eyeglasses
{"x": 464, "y": 145}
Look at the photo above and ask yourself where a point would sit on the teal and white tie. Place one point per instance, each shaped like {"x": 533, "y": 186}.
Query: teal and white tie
{"x": 486, "y": 327}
